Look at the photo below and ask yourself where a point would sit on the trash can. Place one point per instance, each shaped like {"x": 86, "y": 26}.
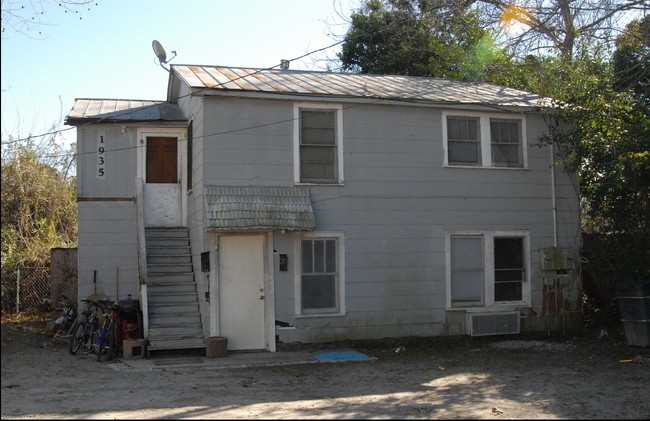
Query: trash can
{"x": 216, "y": 346}
{"x": 634, "y": 304}
{"x": 131, "y": 319}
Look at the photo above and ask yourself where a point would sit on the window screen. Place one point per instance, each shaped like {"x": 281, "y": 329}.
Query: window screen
{"x": 463, "y": 141}
{"x": 318, "y": 146}
{"x": 466, "y": 270}
{"x": 319, "y": 275}
{"x": 506, "y": 145}
{"x": 509, "y": 269}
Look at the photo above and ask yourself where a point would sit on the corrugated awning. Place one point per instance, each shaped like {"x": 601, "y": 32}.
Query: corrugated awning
{"x": 122, "y": 110}
{"x": 230, "y": 208}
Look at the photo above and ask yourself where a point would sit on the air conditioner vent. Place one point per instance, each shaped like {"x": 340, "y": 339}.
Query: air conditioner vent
{"x": 486, "y": 324}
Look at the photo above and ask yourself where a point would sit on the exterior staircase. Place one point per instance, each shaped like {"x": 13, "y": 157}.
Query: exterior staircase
{"x": 172, "y": 298}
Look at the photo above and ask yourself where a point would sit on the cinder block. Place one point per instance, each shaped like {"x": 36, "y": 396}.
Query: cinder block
{"x": 132, "y": 348}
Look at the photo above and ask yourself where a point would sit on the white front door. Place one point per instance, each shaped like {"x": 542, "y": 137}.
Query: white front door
{"x": 162, "y": 180}
{"x": 241, "y": 291}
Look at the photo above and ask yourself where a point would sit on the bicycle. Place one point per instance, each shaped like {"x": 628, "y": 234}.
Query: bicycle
{"x": 87, "y": 323}
{"x": 65, "y": 323}
{"x": 106, "y": 334}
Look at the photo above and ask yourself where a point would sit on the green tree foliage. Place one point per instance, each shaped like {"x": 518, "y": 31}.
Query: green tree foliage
{"x": 39, "y": 208}
{"x": 632, "y": 59}
{"x": 418, "y": 38}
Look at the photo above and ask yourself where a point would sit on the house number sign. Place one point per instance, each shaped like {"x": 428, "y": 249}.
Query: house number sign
{"x": 101, "y": 157}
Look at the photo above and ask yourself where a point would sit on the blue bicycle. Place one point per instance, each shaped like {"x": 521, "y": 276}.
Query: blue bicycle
{"x": 84, "y": 329}
{"x": 105, "y": 343}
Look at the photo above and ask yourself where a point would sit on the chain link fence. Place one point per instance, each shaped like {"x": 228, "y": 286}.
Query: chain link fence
{"x": 24, "y": 288}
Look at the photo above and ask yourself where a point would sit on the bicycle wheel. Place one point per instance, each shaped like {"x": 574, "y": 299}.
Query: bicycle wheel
{"x": 77, "y": 338}
{"x": 90, "y": 343}
{"x": 112, "y": 352}
{"x": 101, "y": 343}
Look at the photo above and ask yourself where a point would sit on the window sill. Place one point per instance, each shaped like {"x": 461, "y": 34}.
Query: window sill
{"x": 480, "y": 167}
{"x": 492, "y": 309}
{"x": 319, "y": 316}
{"x": 340, "y": 184}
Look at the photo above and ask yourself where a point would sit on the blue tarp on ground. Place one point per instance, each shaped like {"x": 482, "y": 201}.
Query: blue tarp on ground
{"x": 341, "y": 356}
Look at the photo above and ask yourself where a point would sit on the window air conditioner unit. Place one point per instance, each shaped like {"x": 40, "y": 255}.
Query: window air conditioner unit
{"x": 486, "y": 324}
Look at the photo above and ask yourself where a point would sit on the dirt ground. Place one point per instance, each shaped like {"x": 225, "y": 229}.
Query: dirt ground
{"x": 509, "y": 377}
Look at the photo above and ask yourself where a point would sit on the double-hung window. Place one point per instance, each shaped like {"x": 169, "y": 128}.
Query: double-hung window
{"x": 463, "y": 140}
{"x": 318, "y": 153}
{"x": 487, "y": 269}
{"x": 485, "y": 140}
{"x": 321, "y": 274}
{"x": 505, "y": 143}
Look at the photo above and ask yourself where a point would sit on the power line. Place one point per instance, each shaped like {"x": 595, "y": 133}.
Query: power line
{"x": 129, "y": 111}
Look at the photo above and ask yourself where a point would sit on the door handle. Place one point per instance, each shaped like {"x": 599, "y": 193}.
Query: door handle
{"x": 261, "y": 297}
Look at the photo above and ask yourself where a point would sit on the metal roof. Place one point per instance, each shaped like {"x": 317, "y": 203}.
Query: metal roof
{"x": 229, "y": 208}
{"x": 352, "y": 85}
{"x": 122, "y": 110}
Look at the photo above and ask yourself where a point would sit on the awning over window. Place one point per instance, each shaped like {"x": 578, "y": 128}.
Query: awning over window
{"x": 229, "y": 208}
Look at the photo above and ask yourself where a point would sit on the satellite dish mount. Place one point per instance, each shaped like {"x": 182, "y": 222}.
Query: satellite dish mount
{"x": 161, "y": 54}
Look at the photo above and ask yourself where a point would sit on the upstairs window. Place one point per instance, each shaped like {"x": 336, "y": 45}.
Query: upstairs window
{"x": 484, "y": 140}
{"x": 318, "y": 145}
{"x": 463, "y": 141}
{"x": 505, "y": 138}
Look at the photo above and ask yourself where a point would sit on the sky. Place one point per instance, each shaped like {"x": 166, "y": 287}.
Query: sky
{"x": 104, "y": 49}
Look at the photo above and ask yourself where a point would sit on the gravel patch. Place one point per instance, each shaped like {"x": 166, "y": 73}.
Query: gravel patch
{"x": 534, "y": 345}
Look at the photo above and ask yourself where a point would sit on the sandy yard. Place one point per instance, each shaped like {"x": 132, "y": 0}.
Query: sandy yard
{"x": 508, "y": 377}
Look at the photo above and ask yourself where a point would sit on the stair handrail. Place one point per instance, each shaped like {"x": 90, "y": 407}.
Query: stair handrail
{"x": 142, "y": 256}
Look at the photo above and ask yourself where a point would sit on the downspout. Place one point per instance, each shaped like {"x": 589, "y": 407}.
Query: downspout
{"x": 553, "y": 201}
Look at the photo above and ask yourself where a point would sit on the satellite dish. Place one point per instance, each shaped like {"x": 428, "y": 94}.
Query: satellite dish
{"x": 160, "y": 52}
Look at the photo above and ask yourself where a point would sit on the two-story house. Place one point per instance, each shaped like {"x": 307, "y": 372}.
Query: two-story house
{"x": 283, "y": 205}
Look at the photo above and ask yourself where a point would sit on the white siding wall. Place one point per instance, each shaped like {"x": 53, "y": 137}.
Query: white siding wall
{"x": 108, "y": 245}
{"x": 396, "y": 205}
{"x": 119, "y": 166}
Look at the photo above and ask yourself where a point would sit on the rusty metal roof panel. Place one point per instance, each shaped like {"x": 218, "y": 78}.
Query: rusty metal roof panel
{"x": 122, "y": 110}
{"x": 233, "y": 208}
{"x": 351, "y": 85}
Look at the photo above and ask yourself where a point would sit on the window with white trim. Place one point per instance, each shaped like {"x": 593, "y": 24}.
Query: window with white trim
{"x": 485, "y": 140}
{"x": 321, "y": 274}
{"x": 505, "y": 142}
{"x": 318, "y": 153}
{"x": 487, "y": 268}
{"x": 463, "y": 140}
